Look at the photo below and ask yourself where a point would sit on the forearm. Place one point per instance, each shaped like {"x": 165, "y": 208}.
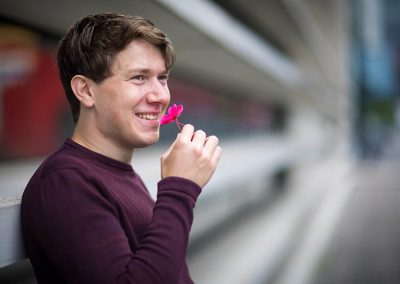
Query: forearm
{"x": 161, "y": 255}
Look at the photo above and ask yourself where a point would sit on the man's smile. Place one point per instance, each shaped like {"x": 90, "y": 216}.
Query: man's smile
{"x": 148, "y": 116}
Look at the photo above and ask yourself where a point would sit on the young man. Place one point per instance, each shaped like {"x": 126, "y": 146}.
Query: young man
{"x": 86, "y": 215}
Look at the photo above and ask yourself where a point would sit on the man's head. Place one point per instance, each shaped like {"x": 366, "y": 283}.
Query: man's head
{"x": 91, "y": 45}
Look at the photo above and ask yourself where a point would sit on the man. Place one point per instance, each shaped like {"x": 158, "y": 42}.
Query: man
{"x": 86, "y": 215}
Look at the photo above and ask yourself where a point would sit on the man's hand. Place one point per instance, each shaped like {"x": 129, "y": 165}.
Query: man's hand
{"x": 193, "y": 156}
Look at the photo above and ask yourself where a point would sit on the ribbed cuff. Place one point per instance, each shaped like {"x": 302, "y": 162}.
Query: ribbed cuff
{"x": 180, "y": 185}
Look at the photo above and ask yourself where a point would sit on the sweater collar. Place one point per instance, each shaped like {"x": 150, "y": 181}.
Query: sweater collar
{"x": 107, "y": 160}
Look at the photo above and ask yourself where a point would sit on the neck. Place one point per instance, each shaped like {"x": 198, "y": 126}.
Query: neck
{"x": 102, "y": 145}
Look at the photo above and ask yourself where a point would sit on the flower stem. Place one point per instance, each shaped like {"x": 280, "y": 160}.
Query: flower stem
{"x": 178, "y": 124}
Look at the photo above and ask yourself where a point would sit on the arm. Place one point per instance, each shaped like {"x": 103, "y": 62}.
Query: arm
{"x": 80, "y": 229}
{"x": 81, "y": 232}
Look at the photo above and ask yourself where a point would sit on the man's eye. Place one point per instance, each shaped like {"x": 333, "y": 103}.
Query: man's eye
{"x": 138, "y": 77}
{"x": 163, "y": 78}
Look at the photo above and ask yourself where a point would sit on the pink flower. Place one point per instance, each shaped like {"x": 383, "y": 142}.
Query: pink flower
{"x": 172, "y": 116}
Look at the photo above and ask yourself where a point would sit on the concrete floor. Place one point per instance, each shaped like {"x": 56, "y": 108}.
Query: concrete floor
{"x": 260, "y": 244}
{"x": 365, "y": 246}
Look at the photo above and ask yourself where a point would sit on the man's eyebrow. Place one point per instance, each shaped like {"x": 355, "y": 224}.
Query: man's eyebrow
{"x": 145, "y": 71}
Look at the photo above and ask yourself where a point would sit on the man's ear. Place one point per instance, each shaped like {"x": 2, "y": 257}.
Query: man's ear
{"x": 80, "y": 87}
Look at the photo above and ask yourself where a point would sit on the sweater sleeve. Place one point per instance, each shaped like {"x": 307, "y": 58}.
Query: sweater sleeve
{"x": 165, "y": 242}
{"x": 81, "y": 233}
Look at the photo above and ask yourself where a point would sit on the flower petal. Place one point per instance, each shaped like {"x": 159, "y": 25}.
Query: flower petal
{"x": 166, "y": 119}
{"x": 174, "y": 112}
{"x": 179, "y": 110}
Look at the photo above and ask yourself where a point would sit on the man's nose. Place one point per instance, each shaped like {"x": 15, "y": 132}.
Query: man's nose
{"x": 158, "y": 92}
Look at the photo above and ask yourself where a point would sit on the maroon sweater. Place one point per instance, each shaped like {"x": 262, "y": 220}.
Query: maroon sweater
{"x": 89, "y": 219}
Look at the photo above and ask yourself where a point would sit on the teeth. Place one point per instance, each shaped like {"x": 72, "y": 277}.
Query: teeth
{"x": 147, "y": 116}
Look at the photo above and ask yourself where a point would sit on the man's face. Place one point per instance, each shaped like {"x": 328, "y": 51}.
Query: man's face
{"x": 130, "y": 103}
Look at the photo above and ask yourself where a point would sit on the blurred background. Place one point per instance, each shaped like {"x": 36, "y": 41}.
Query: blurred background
{"x": 304, "y": 95}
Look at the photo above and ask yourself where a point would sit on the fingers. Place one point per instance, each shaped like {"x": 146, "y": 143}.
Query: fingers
{"x": 193, "y": 156}
{"x": 216, "y": 155}
{"x": 210, "y": 145}
{"x": 186, "y": 133}
{"x": 189, "y": 135}
{"x": 199, "y": 139}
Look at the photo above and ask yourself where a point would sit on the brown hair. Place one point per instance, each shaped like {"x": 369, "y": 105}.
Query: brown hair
{"x": 92, "y": 43}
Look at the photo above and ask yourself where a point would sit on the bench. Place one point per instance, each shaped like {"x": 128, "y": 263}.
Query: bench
{"x": 14, "y": 266}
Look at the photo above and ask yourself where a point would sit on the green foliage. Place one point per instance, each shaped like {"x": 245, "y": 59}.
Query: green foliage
{"x": 380, "y": 110}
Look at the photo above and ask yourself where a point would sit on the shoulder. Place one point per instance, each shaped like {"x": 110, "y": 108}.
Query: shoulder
{"x": 64, "y": 160}
{"x": 62, "y": 176}
{"x": 63, "y": 167}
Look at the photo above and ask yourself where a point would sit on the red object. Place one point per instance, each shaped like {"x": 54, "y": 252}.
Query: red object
{"x": 172, "y": 116}
{"x": 32, "y": 111}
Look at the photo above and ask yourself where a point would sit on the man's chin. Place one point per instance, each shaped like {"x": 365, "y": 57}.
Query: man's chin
{"x": 148, "y": 142}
